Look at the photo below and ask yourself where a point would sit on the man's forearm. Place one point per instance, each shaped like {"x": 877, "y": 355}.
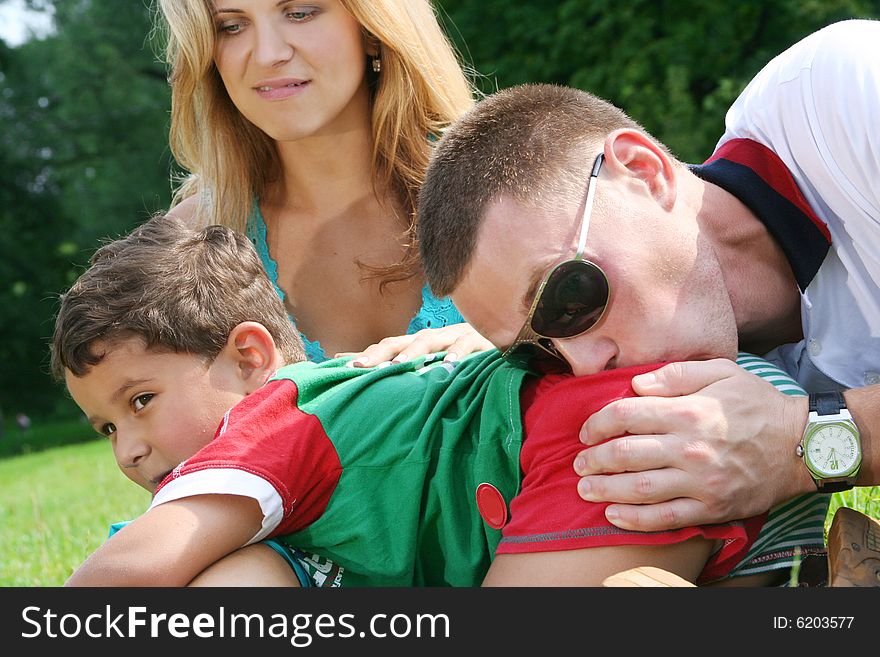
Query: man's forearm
{"x": 794, "y": 478}
{"x": 864, "y": 405}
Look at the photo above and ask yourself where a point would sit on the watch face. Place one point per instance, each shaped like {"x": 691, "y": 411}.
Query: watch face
{"x": 832, "y": 449}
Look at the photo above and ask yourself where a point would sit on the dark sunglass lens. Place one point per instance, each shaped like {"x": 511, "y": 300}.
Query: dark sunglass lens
{"x": 532, "y": 357}
{"x": 572, "y": 300}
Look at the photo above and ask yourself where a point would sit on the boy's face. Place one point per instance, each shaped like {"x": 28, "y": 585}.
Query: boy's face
{"x": 157, "y": 408}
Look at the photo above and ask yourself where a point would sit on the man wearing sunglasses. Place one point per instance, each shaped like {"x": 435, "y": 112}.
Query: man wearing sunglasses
{"x": 769, "y": 246}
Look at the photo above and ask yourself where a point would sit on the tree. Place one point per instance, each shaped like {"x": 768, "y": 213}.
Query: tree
{"x": 673, "y": 65}
{"x": 84, "y": 117}
{"x": 31, "y": 263}
{"x": 84, "y": 156}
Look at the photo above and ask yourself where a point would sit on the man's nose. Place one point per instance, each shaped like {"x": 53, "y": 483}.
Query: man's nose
{"x": 587, "y": 353}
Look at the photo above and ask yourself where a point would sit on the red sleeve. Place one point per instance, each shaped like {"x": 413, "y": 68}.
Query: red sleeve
{"x": 267, "y": 435}
{"x": 549, "y": 515}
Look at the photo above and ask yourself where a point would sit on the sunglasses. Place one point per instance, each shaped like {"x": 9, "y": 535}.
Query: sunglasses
{"x": 570, "y": 300}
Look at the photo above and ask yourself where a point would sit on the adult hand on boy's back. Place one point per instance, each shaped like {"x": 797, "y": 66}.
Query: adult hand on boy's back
{"x": 457, "y": 340}
{"x": 709, "y": 442}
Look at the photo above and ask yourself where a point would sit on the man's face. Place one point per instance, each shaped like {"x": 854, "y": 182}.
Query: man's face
{"x": 667, "y": 296}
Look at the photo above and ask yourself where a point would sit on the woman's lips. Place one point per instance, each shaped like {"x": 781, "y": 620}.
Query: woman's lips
{"x": 280, "y": 89}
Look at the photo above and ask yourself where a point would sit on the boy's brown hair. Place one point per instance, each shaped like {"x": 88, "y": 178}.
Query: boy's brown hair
{"x": 530, "y": 143}
{"x": 178, "y": 289}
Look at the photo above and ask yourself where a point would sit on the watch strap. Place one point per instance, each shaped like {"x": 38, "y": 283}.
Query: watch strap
{"x": 827, "y": 403}
{"x": 834, "y": 486}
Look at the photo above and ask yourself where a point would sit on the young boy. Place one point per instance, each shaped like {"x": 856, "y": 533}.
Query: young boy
{"x": 394, "y": 476}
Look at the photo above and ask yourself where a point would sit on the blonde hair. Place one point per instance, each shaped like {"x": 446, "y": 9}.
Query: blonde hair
{"x": 421, "y": 89}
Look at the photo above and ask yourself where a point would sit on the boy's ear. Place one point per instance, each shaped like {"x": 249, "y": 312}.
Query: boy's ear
{"x": 635, "y": 154}
{"x": 253, "y": 352}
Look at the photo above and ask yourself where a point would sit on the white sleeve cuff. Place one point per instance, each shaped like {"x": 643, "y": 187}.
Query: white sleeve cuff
{"x": 227, "y": 481}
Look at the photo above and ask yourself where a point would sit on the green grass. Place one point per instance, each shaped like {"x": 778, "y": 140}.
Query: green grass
{"x": 56, "y": 507}
{"x": 865, "y": 499}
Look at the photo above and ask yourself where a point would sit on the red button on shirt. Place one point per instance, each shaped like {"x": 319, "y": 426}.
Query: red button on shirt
{"x": 492, "y": 506}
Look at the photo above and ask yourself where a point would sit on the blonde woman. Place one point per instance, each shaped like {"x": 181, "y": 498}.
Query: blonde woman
{"x": 308, "y": 125}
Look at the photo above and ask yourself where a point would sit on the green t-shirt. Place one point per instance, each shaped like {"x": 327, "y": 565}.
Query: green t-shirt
{"x": 414, "y": 441}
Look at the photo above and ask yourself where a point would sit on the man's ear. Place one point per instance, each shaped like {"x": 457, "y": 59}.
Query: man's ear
{"x": 253, "y": 352}
{"x": 635, "y": 154}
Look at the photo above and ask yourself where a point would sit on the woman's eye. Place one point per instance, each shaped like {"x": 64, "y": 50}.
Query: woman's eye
{"x": 229, "y": 27}
{"x": 301, "y": 15}
{"x": 108, "y": 429}
{"x": 141, "y": 400}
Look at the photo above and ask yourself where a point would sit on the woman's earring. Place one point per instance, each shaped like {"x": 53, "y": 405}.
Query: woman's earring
{"x": 377, "y": 65}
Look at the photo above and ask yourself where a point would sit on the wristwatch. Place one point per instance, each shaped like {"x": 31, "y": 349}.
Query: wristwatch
{"x": 831, "y": 446}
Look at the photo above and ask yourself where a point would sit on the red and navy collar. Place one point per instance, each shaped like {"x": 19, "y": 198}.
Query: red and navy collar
{"x": 757, "y": 177}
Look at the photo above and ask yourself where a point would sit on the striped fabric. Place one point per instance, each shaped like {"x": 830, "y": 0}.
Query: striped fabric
{"x": 796, "y": 525}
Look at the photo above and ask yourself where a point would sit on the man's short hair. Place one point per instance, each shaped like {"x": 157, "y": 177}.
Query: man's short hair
{"x": 176, "y": 288}
{"x": 529, "y": 143}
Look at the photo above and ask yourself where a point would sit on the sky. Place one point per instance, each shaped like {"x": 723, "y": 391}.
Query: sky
{"x": 17, "y": 23}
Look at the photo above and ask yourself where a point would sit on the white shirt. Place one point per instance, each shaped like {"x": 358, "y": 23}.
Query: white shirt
{"x": 817, "y": 106}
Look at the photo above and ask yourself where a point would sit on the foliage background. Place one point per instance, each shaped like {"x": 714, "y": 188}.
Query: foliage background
{"x": 84, "y": 119}
{"x": 83, "y": 157}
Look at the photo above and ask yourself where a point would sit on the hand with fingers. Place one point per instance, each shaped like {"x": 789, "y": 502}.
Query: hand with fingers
{"x": 704, "y": 442}
{"x": 457, "y": 340}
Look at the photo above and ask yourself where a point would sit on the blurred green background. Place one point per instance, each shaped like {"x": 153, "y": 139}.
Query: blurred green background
{"x": 84, "y": 114}
{"x": 84, "y": 109}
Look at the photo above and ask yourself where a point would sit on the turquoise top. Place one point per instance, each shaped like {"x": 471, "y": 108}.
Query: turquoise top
{"x": 434, "y": 312}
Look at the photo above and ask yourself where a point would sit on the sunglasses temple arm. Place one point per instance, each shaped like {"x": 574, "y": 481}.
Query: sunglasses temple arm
{"x": 588, "y": 206}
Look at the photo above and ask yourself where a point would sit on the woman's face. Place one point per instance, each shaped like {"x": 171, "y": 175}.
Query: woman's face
{"x": 294, "y": 69}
